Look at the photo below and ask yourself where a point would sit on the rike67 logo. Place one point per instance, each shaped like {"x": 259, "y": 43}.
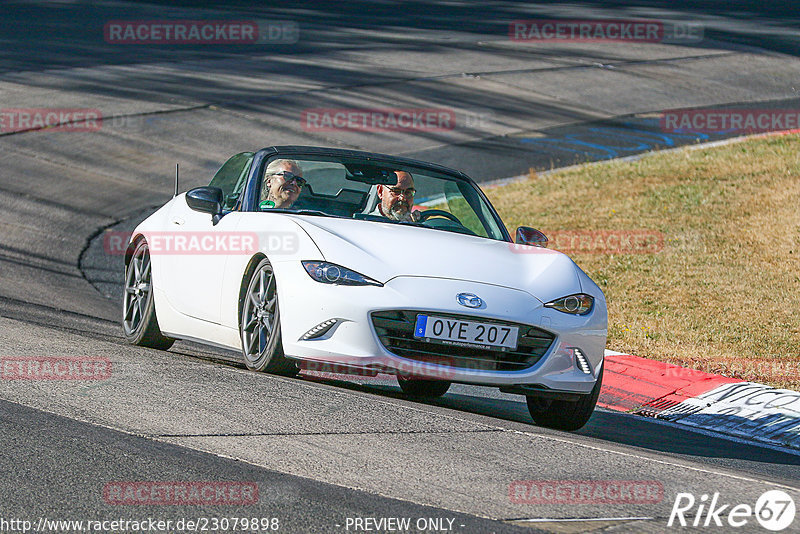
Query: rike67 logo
{"x": 774, "y": 510}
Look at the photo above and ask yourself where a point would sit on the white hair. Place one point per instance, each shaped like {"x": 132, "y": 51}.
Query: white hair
{"x": 277, "y": 165}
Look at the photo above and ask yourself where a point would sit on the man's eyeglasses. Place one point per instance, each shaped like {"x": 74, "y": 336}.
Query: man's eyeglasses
{"x": 289, "y": 176}
{"x": 400, "y": 191}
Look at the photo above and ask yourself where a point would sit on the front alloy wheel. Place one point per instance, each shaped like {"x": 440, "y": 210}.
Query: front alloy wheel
{"x": 138, "y": 307}
{"x": 565, "y": 415}
{"x": 260, "y": 326}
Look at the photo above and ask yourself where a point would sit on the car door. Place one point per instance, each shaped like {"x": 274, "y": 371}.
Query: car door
{"x": 197, "y": 249}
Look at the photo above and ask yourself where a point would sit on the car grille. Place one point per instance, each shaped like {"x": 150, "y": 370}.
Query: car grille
{"x": 395, "y": 329}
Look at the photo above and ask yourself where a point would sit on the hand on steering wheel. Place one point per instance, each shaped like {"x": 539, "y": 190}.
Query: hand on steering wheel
{"x": 427, "y": 214}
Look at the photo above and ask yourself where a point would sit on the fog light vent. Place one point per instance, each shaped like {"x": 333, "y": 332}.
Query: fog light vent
{"x": 320, "y": 330}
{"x": 581, "y": 362}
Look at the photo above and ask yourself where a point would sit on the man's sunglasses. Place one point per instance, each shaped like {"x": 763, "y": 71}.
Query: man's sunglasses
{"x": 400, "y": 191}
{"x": 289, "y": 176}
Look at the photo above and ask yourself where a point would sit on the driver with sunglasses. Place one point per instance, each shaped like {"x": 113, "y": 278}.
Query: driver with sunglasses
{"x": 396, "y": 201}
{"x": 283, "y": 181}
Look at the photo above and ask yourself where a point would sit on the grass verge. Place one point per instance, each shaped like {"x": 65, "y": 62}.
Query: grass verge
{"x": 716, "y": 285}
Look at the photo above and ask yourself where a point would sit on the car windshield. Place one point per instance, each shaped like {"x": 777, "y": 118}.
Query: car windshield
{"x": 380, "y": 192}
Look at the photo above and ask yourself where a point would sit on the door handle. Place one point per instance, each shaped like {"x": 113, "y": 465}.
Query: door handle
{"x": 177, "y": 220}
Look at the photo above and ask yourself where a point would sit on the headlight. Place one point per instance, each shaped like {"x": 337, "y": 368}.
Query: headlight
{"x": 330, "y": 273}
{"x": 579, "y": 304}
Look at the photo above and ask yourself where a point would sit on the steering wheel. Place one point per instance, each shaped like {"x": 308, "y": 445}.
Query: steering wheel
{"x": 427, "y": 214}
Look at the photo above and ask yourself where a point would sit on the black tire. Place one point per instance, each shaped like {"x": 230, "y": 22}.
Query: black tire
{"x": 423, "y": 388}
{"x": 565, "y": 415}
{"x": 139, "y": 322}
{"x": 260, "y": 325}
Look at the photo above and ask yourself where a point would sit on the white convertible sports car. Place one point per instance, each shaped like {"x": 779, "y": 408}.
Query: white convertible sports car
{"x": 371, "y": 264}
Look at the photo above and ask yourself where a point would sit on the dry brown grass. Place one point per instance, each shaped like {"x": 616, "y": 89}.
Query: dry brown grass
{"x": 723, "y": 295}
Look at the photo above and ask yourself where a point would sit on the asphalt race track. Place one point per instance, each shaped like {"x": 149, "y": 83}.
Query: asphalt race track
{"x": 325, "y": 452}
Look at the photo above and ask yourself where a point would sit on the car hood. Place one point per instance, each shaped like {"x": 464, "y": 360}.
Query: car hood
{"x": 384, "y": 251}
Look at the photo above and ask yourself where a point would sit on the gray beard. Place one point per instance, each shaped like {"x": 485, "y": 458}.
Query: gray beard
{"x": 399, "y": 213}
{"x": 277, "y": 202}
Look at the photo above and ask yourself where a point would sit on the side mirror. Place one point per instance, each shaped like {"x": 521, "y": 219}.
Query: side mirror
{"x": 205, "y": 200}
{"x": 531, "y": 236}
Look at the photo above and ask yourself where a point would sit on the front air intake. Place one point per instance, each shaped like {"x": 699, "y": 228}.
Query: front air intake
{"x": 395, "y": 329}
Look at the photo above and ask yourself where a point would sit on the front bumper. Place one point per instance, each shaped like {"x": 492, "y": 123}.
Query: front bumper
{"x": 358, "y": 341}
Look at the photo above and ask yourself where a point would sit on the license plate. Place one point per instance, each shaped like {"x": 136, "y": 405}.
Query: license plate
{"x": 466, "y": 333}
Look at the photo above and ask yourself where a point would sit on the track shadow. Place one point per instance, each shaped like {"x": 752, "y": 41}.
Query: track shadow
{"x": 613, "y": 427}
{"x": 321, "y": 26}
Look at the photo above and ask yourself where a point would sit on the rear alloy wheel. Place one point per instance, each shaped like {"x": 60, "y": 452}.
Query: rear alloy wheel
{"x": 260, "y": 326}
{"x": 138, "y": 306}
{"x": 423, "y": 388}
{"x": 564, "y": 415}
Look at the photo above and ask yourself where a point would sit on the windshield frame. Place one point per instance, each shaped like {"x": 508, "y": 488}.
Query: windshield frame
{"x": 249, "y": 198}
